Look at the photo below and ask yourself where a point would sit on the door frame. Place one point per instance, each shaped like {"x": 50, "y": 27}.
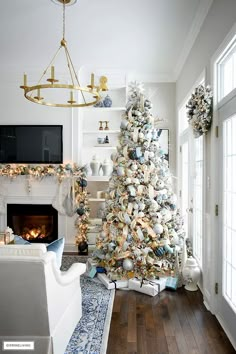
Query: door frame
{"x": 212, "y": 299}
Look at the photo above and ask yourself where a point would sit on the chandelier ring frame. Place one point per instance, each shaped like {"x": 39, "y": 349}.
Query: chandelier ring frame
{"x": 29, "y": 89}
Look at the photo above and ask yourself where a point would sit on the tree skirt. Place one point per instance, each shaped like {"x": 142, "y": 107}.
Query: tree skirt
{"x": 91, "y": 333}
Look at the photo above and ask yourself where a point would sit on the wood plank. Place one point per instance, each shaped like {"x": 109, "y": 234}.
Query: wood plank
{"x": 171, "y": 323}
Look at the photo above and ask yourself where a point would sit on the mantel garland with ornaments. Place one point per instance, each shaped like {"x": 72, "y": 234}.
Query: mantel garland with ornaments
{"x": 74, "y": 202}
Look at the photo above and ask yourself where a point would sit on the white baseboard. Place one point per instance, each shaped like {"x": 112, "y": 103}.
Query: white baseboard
{"x": 227, "y": 332}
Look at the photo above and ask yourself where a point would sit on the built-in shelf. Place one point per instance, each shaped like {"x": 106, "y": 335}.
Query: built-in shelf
{"x": 96, "y": 199}
{"x": 104, "y": 109}
{"x": 98, "y": 178}
{"x": 101, "y": 131}
{"x": 105, "y": 146}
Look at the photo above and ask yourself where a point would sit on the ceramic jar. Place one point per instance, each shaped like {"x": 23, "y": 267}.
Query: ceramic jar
{"x": 107, "y": 167}
{"x": 107, "y": 102}
{"x": 95, "y": 166}
{"x": 191, "y": 274}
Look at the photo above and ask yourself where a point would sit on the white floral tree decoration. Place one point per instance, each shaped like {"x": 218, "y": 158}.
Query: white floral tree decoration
{"x": 199, "y": 110}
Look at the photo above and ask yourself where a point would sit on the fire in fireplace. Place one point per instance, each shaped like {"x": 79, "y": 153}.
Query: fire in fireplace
{"x": 34, "y": 222}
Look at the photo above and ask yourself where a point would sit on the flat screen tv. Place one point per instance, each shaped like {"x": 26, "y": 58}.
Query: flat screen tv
{"x": 31, "y": 144}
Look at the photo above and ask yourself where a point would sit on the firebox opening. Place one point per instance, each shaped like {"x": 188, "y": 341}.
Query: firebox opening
{"x": 36, "y": 223}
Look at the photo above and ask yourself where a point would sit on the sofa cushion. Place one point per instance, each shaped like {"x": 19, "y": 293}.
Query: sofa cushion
{"x": 36, "y": 250}
{"x": 18, "y": 240}
{"x": 57, "y": 246}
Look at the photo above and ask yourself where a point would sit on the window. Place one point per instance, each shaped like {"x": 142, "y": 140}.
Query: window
{"x": 198, "y": 199}
{"x": 227, "y": 70}
{"x": 229, "y": 211}
{"x": 183, "y": 120}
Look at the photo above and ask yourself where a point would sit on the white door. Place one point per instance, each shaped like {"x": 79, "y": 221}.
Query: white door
{"x": 191, "y": 189}
{"x": 184, "y": 186}
{"x": 226, "y": 299}
{"x": 196, "y": 190}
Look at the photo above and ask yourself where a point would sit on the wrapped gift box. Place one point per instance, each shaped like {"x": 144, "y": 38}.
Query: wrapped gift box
{"x": 172, "y": 283}
{"x": 90, "y": 264}
{"x": 148, "y": 287}
{"x": 161, "y": 281}
{"x": 112, "y": 284}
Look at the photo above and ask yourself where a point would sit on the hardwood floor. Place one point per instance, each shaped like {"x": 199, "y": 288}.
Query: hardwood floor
{"x": 170, "y": 323}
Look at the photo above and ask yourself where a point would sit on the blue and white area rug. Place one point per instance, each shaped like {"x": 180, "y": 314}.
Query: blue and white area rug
{"x": 91, "y": 333}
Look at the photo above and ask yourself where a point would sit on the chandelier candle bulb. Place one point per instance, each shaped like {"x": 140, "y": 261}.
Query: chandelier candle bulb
{"x": 25, "y": 80}
{"x": 52, "y": 72}
{"x": 71, "y": 96}
{"x": 92, "y": 80}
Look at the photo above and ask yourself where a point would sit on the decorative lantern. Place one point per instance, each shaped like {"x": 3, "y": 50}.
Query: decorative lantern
{"x": 9, "y": 236}
{"x": 191, "y": 274}
{"x": 2, "y": 238}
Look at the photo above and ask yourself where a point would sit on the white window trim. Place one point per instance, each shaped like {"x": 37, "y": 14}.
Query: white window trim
{"x": 211, "y": 300}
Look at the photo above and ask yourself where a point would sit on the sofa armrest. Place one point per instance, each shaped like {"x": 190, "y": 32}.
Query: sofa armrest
{"x": 74, "y": 272}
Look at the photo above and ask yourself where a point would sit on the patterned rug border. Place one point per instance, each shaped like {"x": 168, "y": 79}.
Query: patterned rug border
{"x": 101, "y": 318}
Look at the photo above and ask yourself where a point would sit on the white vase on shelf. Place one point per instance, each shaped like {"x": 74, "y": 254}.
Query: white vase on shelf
{"x": 95, "y": 166}
{"x": 191, "y": 274}
{"x": 107, "y": 167}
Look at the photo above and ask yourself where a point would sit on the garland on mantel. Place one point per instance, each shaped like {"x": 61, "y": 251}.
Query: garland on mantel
{"x": 76, "y": 201}
{"x": 39, "y": 171}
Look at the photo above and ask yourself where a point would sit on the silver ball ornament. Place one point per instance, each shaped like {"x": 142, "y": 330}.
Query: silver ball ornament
{"x": 128, "y": 264}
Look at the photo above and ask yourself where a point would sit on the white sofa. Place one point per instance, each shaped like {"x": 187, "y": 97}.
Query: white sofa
{"x": 38, "y": 302}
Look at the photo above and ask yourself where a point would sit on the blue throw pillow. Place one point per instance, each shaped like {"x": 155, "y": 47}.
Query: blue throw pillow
{"x": 18, "y": 240}
{"x": 57, "y": 247}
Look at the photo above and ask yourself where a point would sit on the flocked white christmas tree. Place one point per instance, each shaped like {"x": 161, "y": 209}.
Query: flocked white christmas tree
{"x": 143, "y": 229}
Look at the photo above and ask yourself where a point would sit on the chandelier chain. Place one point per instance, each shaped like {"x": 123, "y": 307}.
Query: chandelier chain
{"x": 64, "y": 20}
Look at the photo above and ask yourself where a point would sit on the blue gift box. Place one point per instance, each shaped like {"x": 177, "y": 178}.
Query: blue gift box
{"x": 171, "y": 283}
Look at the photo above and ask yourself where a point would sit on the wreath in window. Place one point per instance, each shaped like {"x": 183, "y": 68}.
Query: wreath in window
{"x": 199, "y": 110}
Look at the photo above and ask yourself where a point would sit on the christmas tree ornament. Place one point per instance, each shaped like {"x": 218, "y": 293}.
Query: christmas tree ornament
{"x": 80, "y": 211}
{"x": 128, "y": 264}
{"x": 83, "y": 183}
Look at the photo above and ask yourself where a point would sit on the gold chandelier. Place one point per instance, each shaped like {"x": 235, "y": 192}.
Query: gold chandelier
{"x": 87, "y": 96}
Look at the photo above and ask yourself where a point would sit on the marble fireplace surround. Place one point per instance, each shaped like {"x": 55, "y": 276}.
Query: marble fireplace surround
{"x": 21, "y": 190}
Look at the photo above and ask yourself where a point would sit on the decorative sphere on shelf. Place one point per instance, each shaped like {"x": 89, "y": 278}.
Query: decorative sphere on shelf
{"x": 191, "y": 274}
{"x": 128, "y": 264}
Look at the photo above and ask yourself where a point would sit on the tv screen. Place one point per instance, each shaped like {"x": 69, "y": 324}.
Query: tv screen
{"x": 31, "y": 144}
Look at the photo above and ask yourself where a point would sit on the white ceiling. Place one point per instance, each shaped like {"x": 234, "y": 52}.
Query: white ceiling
{"x": 149, "y": 38}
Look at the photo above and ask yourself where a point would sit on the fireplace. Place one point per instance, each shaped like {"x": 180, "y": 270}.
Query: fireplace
{"x": 36, "y": 223}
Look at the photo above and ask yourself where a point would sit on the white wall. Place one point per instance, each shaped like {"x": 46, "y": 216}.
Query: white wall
{"x": 218, "y": 22}
{"x": 162, "y": 96}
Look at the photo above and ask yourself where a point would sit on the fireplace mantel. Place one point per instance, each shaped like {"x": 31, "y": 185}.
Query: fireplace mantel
{"x": 22, "y": 190}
